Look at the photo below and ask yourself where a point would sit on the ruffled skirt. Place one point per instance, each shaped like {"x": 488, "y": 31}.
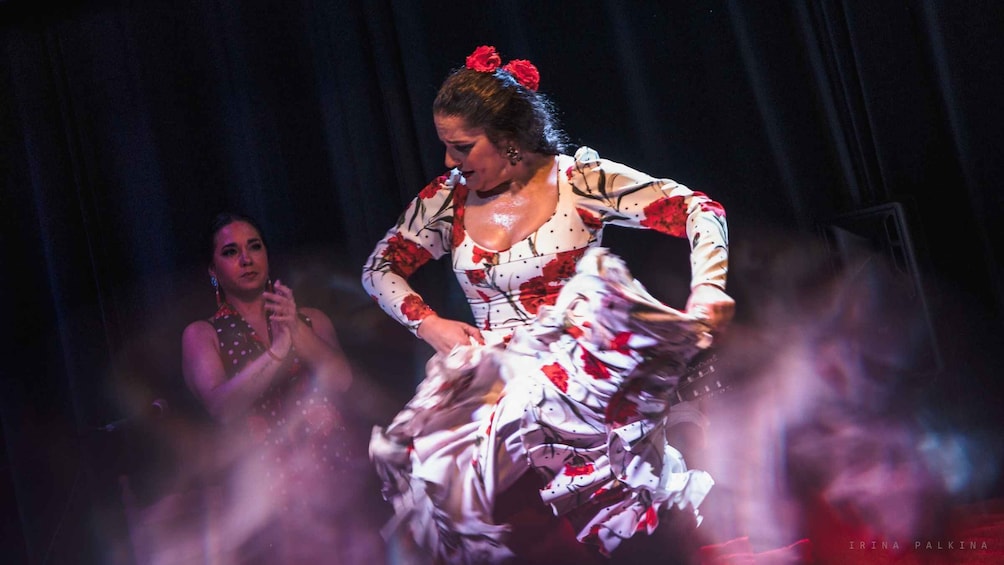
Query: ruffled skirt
{"x": 581, "y": 396}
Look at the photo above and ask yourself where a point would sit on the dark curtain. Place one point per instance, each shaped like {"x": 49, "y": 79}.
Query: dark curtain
{"x": 125, "y": 125}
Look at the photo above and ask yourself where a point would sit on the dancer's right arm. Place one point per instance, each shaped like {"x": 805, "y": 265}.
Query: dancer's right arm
{"x": 425, "y": 231}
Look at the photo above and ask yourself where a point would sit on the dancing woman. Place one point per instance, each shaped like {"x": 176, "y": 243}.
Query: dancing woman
{"x": 568, "y": 384}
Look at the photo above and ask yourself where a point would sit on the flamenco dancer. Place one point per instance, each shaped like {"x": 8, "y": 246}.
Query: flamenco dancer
{"x": 564, "y": 381}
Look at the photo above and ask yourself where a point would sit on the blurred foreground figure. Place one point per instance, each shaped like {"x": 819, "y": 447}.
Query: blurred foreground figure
{"x": 566, "y": 375}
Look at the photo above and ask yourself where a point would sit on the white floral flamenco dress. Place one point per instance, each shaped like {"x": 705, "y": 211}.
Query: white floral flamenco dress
{"x": 580, "y": 395}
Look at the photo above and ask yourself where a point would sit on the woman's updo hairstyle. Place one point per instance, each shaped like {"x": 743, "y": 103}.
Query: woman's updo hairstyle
{"x": 496, "y": 101}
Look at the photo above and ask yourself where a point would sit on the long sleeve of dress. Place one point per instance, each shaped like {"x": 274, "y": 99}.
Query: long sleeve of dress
{"x": 422, "y": 233}
{"x": 611, "y": 193}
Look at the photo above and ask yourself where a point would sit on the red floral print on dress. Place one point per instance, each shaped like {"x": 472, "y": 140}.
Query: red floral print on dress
{"x": 533, "y": 294}
{"x": 414, "y": 308}
{"x": 576, "y": 469}
{"x": 592, "y": 221}
{"x": 432, "y": 188}
{"x": 405, "y": 256}
{"x": 709, "y": 205}
{"x": 481, "y": 255}
{"x": 563, "y": 266}
{"x": 649, "y": 520}
{"x": 488, "y": 317}
{"x": 459, "y": 196}
{"x": 593, "y": 367}
{"x": 604, "y": 496}
{"x": 491, "y": 417}
{"x": 620, "y": 410}
{"x": 620, "y": 343}
{"x": 544, "y": 289}
{"x": 557, "y": 375}
{"x": 476, "y": 276}
{"x": 667, "y": 215}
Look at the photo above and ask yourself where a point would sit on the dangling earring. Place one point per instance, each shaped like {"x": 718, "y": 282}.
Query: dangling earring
{"x": 513, "y": 154}
{"x": 216, "y": 288}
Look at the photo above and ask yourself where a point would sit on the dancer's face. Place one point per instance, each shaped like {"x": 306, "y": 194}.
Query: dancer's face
{"x": 469, "y": 150}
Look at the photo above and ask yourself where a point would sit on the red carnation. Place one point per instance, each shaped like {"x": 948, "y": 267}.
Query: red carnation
{"x": 709, "y": 205}
{"x": 459, "y": 195}
{"x": 484, "y": 59}
{"x": 475, "y": 276}
{"x": 621, "y": 410}
{"x": 563, "y": 266}
{"x": 649, "y": 520}
{"x": 667, "y": 215}
{"x": 432, "y": 188}
{"x": 575, "y": 470}
{"x": 620, "y": 343}
{"x": 591, "y": 220}
{"x": 545, "y": 288}
{"x": 405, "y": 256}
{"x": 524, "y": 72}
{"x": 482, "y": 255}
{"x": 593, "y": 367}
{"x": 532, "y": 293}
{"x": 557, "y": 375}
{"x": 536, "y": 292}
{"x": 414, "y": 308}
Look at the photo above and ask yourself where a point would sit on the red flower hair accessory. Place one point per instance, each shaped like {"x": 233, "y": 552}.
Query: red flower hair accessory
{"x": 484, "y": 59}
{"x": 524, "y": 72}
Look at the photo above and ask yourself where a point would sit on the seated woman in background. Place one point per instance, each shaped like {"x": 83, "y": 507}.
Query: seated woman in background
{"x": 270, "y": 372}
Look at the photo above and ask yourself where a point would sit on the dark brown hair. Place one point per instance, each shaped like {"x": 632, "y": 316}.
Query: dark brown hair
{"x": 504, "y": 108}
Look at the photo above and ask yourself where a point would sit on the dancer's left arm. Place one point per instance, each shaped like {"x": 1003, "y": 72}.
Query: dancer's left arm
{"x": 612, "y": 193}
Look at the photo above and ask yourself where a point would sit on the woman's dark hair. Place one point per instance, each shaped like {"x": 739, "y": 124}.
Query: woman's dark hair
{"x": 504, "y": 108}
{"x": 224, "y": 219}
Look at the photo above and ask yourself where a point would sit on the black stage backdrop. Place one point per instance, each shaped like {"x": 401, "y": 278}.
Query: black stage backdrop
{"x": 127, "y": 124}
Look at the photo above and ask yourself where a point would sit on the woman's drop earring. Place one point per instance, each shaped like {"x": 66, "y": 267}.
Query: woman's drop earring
{"x": 216, "y": 288}
{"x": 513, "y": 154}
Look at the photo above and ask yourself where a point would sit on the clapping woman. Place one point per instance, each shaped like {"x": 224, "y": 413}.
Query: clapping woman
{"x": 270, "y": 372}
